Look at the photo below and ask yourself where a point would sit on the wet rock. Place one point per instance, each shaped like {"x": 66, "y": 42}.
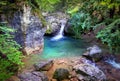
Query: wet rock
{"x": 61, "y": 74}
{"x": 55, "y": 20}
{"x": 93, "y": 53}
{"x": 44, "y": 66}
{"x": 54, "y": 27}
{"x": 89, "y": 72}
{"x": 68, "y": 29}
{"x": 33, "y": 76}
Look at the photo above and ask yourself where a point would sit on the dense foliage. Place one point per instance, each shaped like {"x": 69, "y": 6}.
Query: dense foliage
{"x": 100, "y": 11}
{"x": 44, "y": 5}
{"x": 10, "y": 56}
{"x": 110, "y": 35}
{"x": 80, "y": 22}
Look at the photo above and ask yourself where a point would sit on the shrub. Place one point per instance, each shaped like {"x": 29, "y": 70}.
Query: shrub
{"x": 110, "y": 35}
{"x": 80, "y": 22}
{"x": 10, "y": 56}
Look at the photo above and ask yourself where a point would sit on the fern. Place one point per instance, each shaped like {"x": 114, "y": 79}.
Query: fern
{"x": 10, "y": 56}
{"x": 80, "y": 22}
{"x": 110, "y": 35}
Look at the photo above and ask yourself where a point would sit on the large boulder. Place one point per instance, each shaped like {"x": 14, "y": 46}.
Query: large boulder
{"x": 61, "y": 74}
{"x": 44, "y": 66}
{"x": 89, "y": 72}
{"x": 33, "y": 76}
{"x": 93, "y": 53}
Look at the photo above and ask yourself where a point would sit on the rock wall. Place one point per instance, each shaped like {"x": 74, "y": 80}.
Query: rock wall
{"x": 34, "y": 32}
{"x": 29, "y": 31}
{"x": 54, "y": 20}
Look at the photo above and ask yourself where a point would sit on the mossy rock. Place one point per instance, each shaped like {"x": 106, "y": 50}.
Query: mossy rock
{"x": 61, "y": 74}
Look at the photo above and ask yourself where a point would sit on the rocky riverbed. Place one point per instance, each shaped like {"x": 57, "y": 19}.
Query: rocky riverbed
{"x": 69, "y": 69}
{"x": 93, "y": 65}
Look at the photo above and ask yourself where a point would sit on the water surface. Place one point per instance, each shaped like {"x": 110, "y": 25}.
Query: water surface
{"x": 64, "y": 48}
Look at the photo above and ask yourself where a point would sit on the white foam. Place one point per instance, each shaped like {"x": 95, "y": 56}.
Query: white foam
{"x": 113, "y": 63}
{"x": 60, "y": 34}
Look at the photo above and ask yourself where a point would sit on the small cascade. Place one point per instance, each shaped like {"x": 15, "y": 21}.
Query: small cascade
{"x": 112, "y": 61}
{"x": 60, "y": 33}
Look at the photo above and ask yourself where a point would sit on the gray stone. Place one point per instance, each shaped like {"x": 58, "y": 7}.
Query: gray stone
{"x": 55, "y": 20}
{"x": 44, "y": 66}
{"x": 33, "y": 76}
{"x": 89, "y": 72}
{"x": 34, "y": 33}
{"x": 54, "y": 27}
{"x": 61, "y": 74}
{"x": 93, "y": 53}
{"x": 94, "y": 50}
{"x": 43, "y": 76}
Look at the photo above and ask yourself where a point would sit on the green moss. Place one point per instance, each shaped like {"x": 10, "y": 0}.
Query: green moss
{"x": 49, "y": 31}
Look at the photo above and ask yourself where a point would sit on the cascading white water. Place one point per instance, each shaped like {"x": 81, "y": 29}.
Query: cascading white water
{"x": 60, "y": 33}
{"x": 113, "y": 63}
{"x": 61, "y": 29}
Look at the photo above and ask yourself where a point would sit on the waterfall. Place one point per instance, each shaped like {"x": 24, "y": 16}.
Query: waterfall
{"x": 60, "y": 33}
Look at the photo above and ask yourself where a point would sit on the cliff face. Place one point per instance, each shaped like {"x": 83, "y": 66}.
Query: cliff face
{"x": 29, "y": 31}
{"x": 34, "y": 34}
